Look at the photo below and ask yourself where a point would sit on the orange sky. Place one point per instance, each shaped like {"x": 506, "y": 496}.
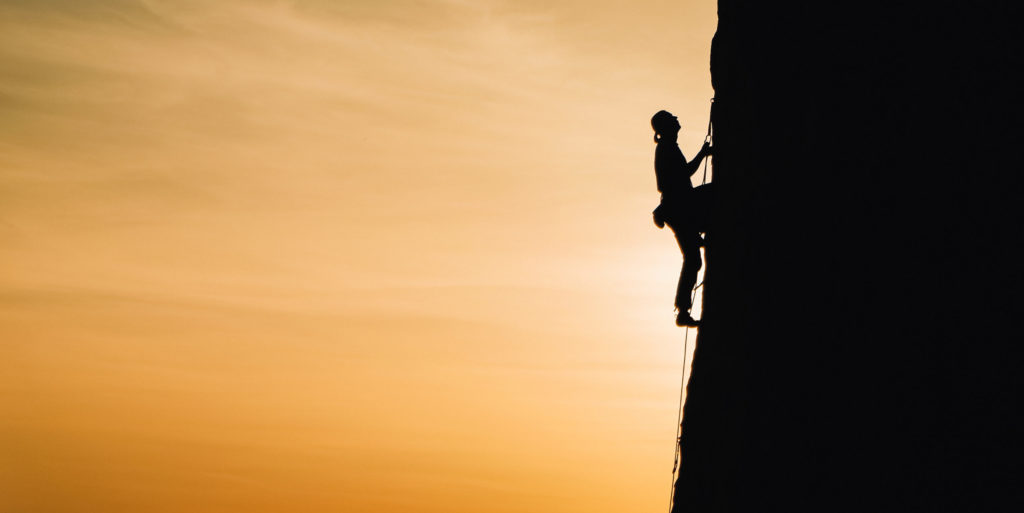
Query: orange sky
{"x": 281, "y": 256}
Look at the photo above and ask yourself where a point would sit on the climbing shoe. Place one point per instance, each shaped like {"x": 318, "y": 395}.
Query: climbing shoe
{"x": 684, "y": 319}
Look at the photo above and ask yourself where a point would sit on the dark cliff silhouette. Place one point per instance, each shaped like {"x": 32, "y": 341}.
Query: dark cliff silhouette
{"x": 860, "y": 341}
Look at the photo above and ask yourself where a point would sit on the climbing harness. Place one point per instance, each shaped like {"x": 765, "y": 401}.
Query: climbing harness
{"x": 686, "y": 343}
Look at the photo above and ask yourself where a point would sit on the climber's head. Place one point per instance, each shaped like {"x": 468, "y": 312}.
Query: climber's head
{"x": 665, "y": 125}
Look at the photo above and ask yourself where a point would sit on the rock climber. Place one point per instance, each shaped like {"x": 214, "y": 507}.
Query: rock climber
{"x": 684, "y": 208}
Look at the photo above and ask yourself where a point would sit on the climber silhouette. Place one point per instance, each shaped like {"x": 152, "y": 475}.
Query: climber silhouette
{"x": 683, "y": 208}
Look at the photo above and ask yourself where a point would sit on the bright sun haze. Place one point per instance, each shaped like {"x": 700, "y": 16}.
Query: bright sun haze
{"x": 283, "y": 256}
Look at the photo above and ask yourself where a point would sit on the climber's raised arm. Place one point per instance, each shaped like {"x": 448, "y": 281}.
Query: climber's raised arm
{"x": 694, "y": 165}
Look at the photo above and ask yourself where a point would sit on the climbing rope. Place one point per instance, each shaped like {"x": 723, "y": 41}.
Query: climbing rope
{"x": 679, "y": 413}
{"x": 686, "y": 343}
{"x": 707, "y": 139}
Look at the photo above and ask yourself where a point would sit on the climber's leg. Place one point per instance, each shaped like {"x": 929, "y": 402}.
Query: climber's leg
{"x": 689, "y": 246}
{"x": 692, "y": 262}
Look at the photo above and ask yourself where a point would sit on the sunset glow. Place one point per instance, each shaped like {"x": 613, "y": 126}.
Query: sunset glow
{"x": 301, "y": 256}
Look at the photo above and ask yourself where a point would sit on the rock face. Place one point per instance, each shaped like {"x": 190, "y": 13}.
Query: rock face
{"x": 862, "y": 320}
